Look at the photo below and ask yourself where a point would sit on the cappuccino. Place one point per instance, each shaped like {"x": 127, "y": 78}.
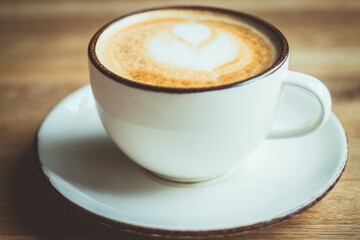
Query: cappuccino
{"x": 186, "y": 48}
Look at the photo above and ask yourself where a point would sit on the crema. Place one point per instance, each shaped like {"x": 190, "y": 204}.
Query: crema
{"x": 184, "y": 48}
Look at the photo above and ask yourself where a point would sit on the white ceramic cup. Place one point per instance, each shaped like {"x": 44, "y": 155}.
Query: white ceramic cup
{"x": 197, "y": 134}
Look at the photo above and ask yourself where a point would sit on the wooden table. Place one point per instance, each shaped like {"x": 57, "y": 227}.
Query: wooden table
{"x": 43, "y": 58}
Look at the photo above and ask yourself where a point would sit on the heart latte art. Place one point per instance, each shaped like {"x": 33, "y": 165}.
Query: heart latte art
{"x": 186, "y": 48}
{"x": 193, "y": 46}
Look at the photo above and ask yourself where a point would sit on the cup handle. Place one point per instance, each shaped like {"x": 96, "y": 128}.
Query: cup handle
{"x": 317, "y": 90}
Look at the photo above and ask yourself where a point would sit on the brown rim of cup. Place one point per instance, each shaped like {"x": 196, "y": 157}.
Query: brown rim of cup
{"x": 284, "y": 52}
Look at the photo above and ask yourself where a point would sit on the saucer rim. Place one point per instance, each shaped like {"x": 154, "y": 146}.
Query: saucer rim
{"x": 162, "y": 232}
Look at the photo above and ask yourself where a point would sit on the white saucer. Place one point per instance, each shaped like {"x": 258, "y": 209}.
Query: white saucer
{"x": 282, "y": 178}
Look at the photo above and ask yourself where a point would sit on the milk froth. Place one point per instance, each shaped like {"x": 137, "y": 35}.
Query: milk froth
{"x": 186, "y": 48}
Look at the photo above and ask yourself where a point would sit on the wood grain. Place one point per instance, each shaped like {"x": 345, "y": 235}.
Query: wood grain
{"x": 43, "y": 59}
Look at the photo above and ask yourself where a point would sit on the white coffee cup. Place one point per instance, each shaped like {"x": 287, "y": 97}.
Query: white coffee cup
{"x": 197, "y": 134}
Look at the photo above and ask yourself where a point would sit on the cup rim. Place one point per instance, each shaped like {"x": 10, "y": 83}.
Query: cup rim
{"x": 284, "y": 52}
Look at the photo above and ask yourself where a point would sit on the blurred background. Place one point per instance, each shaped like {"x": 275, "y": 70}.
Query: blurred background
{"x": 43, "y": 42}
{"x": 43, "y": 58}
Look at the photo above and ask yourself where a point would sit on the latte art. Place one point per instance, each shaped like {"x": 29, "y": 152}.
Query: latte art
{"x": 194, "y": 49}
{"x": 192, "y": 33}
{"x": 186, "y": 49}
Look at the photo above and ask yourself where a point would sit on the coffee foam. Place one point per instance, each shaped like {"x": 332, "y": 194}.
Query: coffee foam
{"x": 188, "y": 52}
{"x": 186, "y": 48}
